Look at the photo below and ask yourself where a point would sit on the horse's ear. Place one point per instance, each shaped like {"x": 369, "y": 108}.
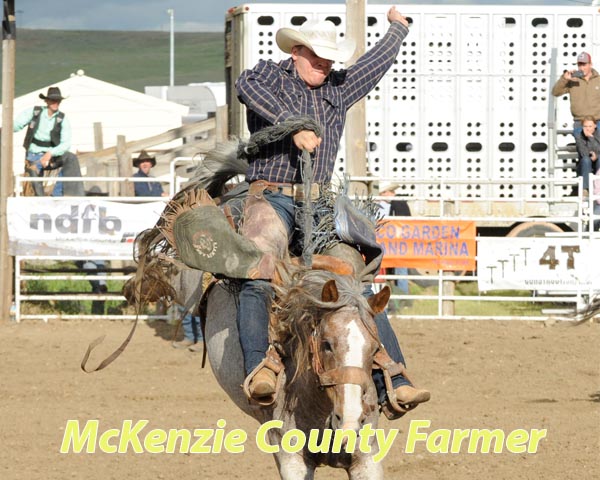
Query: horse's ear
{"x": 330, "y": 292}
{"x": 379, "y": 301}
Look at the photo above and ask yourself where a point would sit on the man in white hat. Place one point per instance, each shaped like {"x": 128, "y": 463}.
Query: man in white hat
{"x": 305, "y": 85}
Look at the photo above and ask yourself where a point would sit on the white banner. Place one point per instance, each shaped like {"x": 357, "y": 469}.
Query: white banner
{"x": 84, "y": 227}
{"x": 548, "y": 264}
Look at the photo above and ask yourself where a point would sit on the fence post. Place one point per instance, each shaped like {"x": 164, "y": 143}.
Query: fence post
{"x": 93, "y": 167}
{"x": 124, "y": 166}
{"x": 9, "y": 33}
{"x": 221, "y": 128}
{"x": 448, "y": 289}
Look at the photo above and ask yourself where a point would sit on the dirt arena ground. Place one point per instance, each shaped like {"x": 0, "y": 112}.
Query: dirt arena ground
{"x": 504, "y": 375}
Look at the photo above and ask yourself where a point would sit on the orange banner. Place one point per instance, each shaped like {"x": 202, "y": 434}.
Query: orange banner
{"x": 428, "y": 244}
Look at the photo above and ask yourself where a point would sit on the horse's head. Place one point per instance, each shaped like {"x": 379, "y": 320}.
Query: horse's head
{"x": 344, "y": 344}
{"x": 334, "y": 336}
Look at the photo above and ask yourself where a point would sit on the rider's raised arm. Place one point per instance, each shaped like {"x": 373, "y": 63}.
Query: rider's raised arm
{"x": 369, "y": 69}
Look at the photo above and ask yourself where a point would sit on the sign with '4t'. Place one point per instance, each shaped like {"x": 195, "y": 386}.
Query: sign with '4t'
{"x": 549, "y": 264}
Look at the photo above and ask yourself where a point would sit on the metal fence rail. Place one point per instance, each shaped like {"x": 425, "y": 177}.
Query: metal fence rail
{"x": 443, "y": 294}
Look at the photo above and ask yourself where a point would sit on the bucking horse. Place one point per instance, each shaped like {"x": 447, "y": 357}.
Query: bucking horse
{"x": 324, "y": 342}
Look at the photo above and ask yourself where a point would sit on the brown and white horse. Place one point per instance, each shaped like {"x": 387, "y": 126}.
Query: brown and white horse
{"x": 327, "y": 332}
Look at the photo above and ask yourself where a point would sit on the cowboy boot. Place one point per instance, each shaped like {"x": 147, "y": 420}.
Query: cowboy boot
{"x": 262, "y": 384}
{"x": 409, "y": 395}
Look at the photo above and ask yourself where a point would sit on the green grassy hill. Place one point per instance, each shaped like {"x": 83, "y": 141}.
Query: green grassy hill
{"x": 129, "y": 59}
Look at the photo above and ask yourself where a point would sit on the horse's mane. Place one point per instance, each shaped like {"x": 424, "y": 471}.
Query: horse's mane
{"x": 299, "y": 308}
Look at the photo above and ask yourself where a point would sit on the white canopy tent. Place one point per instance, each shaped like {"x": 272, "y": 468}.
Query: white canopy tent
{"x": 121, "y": 111}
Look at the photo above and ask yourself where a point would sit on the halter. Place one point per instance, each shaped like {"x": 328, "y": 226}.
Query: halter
{"x": 336, "y": 376}
{"x": 357, "y": 376}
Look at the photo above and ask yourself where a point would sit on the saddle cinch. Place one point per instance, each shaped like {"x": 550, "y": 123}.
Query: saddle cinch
{"x": 247, "y": 242}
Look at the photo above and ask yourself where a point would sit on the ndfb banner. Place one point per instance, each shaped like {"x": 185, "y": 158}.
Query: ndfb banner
{"x": 80, "y": 226}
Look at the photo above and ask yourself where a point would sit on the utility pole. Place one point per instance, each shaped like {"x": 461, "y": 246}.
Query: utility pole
{"x": 171, "y": 13}
{"x": 356, "y": 120}
{"x": 9, "y": 33}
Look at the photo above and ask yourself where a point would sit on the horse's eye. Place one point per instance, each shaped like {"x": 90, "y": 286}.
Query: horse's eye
{"x": 327, "y": 346}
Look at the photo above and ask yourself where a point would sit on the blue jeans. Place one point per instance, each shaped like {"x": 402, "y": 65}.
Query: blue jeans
{"x": 596, "y": 212}
{"x": 585, "y": 167}
{"x": 401, "y": 283}
{"x": 94, "y": 265}
{"x": 191, "y": 326}
{"x": 35, "y": 159}
{"x": 255, "y": 304}
{"x": 255, "y": 296}
{"x": 70, "y": 168}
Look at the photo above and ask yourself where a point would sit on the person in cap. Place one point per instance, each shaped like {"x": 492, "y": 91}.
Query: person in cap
{"x": 305, "y": 84}
{"x": 47, "y": 143}
{"x": 583, "y": 87}
{"x": 392, "y": 206}
{"x": 144, "y": 164}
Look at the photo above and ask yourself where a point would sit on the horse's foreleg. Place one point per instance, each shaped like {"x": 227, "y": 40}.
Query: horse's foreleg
{"x": 294, "y": 467}
{"x": 366, "y": 469}
{"x": 291, "y": 466}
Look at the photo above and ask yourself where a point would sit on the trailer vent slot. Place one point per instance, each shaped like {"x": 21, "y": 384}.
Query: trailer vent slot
{"x": 474, "y": 147}
{"x": 265, "y": 20}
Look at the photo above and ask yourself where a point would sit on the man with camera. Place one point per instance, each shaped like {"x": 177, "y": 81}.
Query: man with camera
{"x": 583, "y": 87}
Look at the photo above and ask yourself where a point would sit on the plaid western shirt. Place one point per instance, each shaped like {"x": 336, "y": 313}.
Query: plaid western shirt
{"x": 273, "y": 92}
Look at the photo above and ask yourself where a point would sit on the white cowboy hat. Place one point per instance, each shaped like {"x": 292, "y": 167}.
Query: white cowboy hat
{"x": 388, "y": 187}
{"x": 320, "y": 37}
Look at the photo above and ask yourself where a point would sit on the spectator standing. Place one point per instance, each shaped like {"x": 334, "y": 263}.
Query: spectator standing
{"x": 189, "y": 285}
{"x": 394, "y": 207}
{"x": 144, "y": 163}
{"x": 583, "y": 87}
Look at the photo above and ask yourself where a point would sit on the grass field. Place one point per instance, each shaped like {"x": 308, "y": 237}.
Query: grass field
{"x": 129, "y": 59}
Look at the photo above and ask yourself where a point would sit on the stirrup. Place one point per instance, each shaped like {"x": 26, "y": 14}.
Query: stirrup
{"x": 391, "y": 408}
{"x": 273, "y": 362}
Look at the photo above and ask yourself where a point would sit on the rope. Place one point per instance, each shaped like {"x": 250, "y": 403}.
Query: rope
{"x": 277, "y": 132}
{"x": 307, "y": 213}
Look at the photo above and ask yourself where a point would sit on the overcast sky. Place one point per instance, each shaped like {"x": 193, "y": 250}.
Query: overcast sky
{"x": 190, "y": 15}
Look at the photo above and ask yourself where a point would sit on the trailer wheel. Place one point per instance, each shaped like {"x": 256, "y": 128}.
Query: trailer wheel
{"x": 534, "y": 229}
